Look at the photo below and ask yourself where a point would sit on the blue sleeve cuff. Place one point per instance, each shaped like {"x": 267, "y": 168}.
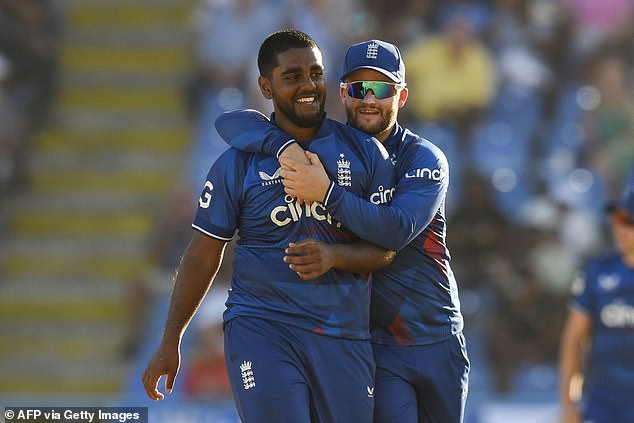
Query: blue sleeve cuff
{"x": 280, "y": 145}
{"x": 334, "y": 195}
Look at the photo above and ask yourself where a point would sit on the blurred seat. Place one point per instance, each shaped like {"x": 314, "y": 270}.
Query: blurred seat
{"x": 502, "y": 146}
{"x": 566, "y": 178}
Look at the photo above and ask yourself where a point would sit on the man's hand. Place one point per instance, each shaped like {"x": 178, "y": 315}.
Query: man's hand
{"x": 297, "y": 154}
{"x": 164, "y": 362}
{"x": 308, "y": 182}
{"x": 309, "y": 258}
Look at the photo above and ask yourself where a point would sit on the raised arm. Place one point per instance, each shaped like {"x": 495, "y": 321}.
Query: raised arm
{"x": 249, "y": 130}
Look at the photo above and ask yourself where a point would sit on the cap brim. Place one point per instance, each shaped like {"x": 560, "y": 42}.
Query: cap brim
{"x": 380, "y": 70}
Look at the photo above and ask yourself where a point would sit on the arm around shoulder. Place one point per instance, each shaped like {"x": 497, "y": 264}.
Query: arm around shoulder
{"x": 251, "y": 131}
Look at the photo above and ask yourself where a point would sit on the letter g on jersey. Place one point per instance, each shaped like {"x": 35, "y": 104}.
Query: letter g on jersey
{"x": 205, "y": 197}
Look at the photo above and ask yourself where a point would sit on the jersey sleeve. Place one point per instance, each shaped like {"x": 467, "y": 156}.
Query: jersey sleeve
{"x": 219, "y": 202}
{"x": 251, "y": 131}
{"x": 419, "y": 192}
{"x": 581, "y": 295}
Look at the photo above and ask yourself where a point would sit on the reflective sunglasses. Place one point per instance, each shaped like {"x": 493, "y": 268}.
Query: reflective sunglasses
{"x": 622, "y": 218}
{"x": 381, "y": 90}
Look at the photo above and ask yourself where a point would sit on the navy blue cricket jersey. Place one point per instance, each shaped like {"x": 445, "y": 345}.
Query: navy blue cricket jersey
{"x": 605, "y": 292}
{"x": 415, "y": 299}
{"x": 244, "y": 193}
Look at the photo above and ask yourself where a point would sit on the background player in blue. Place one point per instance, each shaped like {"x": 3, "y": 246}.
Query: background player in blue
{"x": 422, "y": 365}
{"x": 597, "y": 347}
{"x": 282, "y": 333}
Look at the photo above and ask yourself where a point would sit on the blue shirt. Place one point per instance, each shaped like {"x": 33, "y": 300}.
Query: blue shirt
{"x": 415, "y": 299}
{"x": 243, "y": 193}
{"x": 605, "y": 292}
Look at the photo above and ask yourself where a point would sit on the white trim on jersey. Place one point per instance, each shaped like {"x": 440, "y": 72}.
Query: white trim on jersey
{"x": 283, "y": 147}
{"x": 222, "y": 238}
{"x": 330, "y": 188}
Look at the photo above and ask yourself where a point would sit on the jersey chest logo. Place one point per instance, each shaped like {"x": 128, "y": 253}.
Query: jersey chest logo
{"x": 344, "y": 175}
{"x": 270, "y": 179}
{"x": 609, "y": 282}
{"x": 292, "y": 212}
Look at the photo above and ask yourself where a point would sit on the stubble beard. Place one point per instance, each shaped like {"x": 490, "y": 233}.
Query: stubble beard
{"x": 302, "y": 120}
{"x": 357, "y": 121}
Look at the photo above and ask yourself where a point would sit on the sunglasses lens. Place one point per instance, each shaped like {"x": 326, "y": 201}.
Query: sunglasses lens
{"x": 380, "y": 90}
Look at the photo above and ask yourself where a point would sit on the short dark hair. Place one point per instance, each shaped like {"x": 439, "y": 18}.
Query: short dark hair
{"x": 278, "y": 42}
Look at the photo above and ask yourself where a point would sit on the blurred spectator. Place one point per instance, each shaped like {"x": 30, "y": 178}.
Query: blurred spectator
{"x": 595, "y": 24}
{"x": 330, "y": 24}
{"x": 479, "y": 232}
{"x": 524, "y": 328}
{"x": 503, "y": 299}
{"x": 30, "y": 36}
{"x": 580, "y": 231}
{"x": 551, "y": 263}
{"x": 11, "y": 128}
{"x": 163, "y": 252}
{"x": 453, "y": 73}
{"x": 526, "y": 38}
{"x": 225, "y": 71}
{"x": 224, "y": 50}
{"x": 400, "y": 22}
{"x": 608, "y": 120}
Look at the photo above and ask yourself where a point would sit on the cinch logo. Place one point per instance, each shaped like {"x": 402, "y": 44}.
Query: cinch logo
{"x": 434, "y": 174}
{"x": 383, "y": 196}
{"x": 292, "y": 212}
{"x": 618, "y": 316}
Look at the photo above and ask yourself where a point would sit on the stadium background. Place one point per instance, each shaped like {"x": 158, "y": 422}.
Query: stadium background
{"x": 106, "y": 132}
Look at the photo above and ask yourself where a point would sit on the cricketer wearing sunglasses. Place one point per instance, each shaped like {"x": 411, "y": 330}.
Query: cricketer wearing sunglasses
{"x": 597, "y": 348}
{"x": 422, "y": 365}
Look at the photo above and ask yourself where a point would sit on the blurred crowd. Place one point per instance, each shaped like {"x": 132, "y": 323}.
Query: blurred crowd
{"x": 30, "y": 41}
{"x": 531, "y": 101}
